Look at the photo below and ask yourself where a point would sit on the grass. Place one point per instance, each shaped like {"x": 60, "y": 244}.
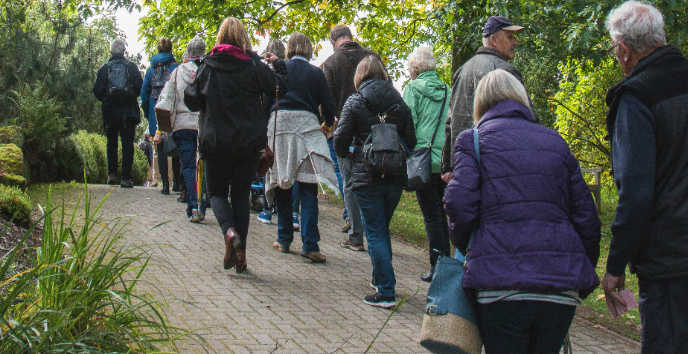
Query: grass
{"x": 408, "y": 225}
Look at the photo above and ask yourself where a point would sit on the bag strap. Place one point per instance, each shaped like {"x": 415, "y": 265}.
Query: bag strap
{"x": 439, "y": 118}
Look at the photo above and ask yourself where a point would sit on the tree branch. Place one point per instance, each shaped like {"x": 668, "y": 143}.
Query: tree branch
{"x": 277, "y": 10}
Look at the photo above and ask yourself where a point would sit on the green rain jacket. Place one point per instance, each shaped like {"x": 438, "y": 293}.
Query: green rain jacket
{"x": 424, "y": 97}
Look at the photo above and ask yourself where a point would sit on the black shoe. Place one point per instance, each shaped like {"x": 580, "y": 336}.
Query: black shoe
{"x": 175, "y": 187}
{"x": 378, "y": 300}
{"x": 112, "y": 179}
{"x": 427, "y": 277}
{"x": 165, "y": 189}
{"x": 182, "y": 197}
{"x": 127, "y": 183}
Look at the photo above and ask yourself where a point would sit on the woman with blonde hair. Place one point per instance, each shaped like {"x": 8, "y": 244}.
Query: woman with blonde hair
{"x": 378, "y": 194}
{"x": 518, "y": 202}
{"x": 228, "y": 91}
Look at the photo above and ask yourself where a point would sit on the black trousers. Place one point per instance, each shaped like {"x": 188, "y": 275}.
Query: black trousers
{"x": 664, "y": 315}
{"x": 235, "y": 172}
{"x": 434, "y": 217}
{"x": 125, "y": 130}
{"x": 177, "y": 178}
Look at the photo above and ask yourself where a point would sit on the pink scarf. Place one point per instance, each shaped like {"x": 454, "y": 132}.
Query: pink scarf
{"x": 229, "y": 49}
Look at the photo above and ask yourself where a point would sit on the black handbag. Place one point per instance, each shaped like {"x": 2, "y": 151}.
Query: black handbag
{"x": 419, "y": 162}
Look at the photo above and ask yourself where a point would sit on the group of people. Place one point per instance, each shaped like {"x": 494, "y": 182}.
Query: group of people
{"x": 503, "y": 188}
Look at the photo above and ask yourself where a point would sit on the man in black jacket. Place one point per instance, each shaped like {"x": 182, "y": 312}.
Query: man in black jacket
{"x": 117, "y": 85}
{"x": 649, "y": 139}
{"x": 339, "y": 71}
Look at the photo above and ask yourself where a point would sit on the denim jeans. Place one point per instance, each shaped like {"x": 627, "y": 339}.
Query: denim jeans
{"x": 377, "y": 204}
{"x": 333, "y": 156}
{"x": 434, "y": 217}
{"x": 295, "y": 199}
{"x": 187, "y": 144}
{"x": 524, "y": 326}
{"x": 351, "y": 203}
{"x": 310, "y": 235}
{"x": 664, "y": 315}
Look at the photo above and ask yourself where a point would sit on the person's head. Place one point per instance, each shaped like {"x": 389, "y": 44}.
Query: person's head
{"x": 369, "y": 68}
{"x": 232, "y": 32}
{"x": 276, "y": 47}
{"x": 117, "y": 47}
{"x": 300, "y": 45}
{"x": 499, "y": 34}
{"x": 195, "y": 48}
{"x": 164, "y": 45}
{"x": 420, "y": 61}
{"x": 339, "y": 35}
{"x": 497, "y": 86}
{"x": 636, "y": 30}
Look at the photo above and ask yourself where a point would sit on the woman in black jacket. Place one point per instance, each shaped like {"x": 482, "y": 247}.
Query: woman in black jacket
{"x": 378, "y": 195}
{"x": 228, "y": 91}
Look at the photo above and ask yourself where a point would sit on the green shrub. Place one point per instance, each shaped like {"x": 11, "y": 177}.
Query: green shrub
{"x": 13, "y": 180}
{"x": 11, "y": 159}
{"x": 11, "y": 134}
{"x": 81, "y": 294}
{"x": 15, "y": 205}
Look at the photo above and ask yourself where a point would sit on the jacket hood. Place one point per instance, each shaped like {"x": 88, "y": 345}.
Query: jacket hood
{"x": 428, "y": 84}
{"x": 161, "y": 58}
{"x": 228, "y": 49}
{"x": 379, "y": 94}
{"x": 507, "y": 109}
{"x": 187, "y": 72}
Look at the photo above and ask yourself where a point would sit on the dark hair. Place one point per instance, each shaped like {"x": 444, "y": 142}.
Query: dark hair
{"x": 340, "y": 31}
{"x": 276, "y": 47}
{"x": 164, "y": 45}
{"x": 299, "y": 44}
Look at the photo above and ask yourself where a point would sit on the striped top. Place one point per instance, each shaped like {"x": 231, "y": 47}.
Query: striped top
{"x": 569, "y": 297}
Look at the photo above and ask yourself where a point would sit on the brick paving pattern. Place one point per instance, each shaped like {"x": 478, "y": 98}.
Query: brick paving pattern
{"x": 283, "y": 304}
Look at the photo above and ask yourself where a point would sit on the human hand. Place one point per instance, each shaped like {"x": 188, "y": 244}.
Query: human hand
{"x": 446, "y": 177}
{"x": 612, "y": 284}
{"x": 157, "y": 138}
{"x": 271, "y": 58}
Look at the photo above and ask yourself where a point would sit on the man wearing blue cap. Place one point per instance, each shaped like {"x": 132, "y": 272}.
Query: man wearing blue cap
{"x": 498, "y": 48}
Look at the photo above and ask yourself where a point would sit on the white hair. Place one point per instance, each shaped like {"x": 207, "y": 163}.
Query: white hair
{"x": 118, "y": 46}
{"x": 638, "y": 25}
{"x": 421, "y": 60}
{"x": 497, "y": 86}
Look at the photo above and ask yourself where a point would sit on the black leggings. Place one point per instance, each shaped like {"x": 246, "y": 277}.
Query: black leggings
{"x": 237, "y": 172}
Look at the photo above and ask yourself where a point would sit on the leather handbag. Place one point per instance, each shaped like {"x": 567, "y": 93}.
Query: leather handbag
{"x": 267, "y": 158}
{"x": 449, "y": 323}
{"x": 419, "y": 163}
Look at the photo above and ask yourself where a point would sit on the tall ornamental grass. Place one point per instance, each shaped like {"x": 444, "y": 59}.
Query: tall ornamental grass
{"x": 81, "y": 294}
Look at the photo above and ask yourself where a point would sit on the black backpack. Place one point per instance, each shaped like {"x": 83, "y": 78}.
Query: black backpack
{"x": 119, "y": 86}
{"x": 161, "y": 73}
{"x": 383, "y": 153}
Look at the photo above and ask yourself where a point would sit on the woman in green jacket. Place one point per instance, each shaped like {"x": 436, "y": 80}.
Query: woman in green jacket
{"x": 428, "y": 98}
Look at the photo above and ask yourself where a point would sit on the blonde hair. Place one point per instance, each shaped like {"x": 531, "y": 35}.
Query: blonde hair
{"x": 421, "y": 60}
{"x": 498, "y": 85}
{"x": 300, "y": 45}
{"x": 232, "y": 32}
{"x": 369, "y": 68}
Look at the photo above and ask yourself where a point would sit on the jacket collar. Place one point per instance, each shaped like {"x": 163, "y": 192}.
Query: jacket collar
{"x": 298, "y": 57}
{"x": 228, "y": 49}
{"x": 507, "y": 109}
{"x": 491, "y": 51}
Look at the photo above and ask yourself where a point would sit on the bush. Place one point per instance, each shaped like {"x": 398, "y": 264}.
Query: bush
{"x": 11, "y": 134}
{"x": 11, "y": 159}
{"x": 13, "y": 180}
{"x": 15, "y": 205}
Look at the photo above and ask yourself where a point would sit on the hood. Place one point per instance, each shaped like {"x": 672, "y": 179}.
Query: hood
{"x": 507, "y": 109}
{"x": 428, "y": 84}
{"x": 228, "y": 49}
{"x": 161, "y": 58}
{"x": 187, "y": 72}
{"x": 379, "y": 94}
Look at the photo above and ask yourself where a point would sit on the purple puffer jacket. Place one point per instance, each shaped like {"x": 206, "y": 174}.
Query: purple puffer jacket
{"x": 538, "y": 228}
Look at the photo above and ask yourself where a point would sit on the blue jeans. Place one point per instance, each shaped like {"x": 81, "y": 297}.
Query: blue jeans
{"x": 310, "y": 235}
{"x": 295, "y": 200}
{"x": 377, "y": 204}
{"x": 187, "y": 144}
{"x": 333, "y": 156}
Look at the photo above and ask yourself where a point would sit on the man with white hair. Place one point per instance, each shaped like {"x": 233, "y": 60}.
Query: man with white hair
{"x": 648, "y": 127}
{"x": 499, "y": 42}
{"x": 117, "y": 85}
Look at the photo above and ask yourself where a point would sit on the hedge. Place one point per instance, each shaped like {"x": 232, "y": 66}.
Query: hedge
{"x": 15, "y": 205}
{"x": 11, "y": 159}
{"x": 11, "y": 134}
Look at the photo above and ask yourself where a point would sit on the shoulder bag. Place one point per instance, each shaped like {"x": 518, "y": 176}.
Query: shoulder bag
{"x": 267, "y": 158}
{"x": 419, "y": 163}
{"x": 449, "y": 323}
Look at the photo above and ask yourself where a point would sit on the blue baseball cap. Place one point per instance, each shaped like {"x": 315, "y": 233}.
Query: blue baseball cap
{"x": 497, "y": 23}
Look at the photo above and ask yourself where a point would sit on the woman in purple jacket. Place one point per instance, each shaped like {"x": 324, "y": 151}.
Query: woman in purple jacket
{"x": 529, "y": 218}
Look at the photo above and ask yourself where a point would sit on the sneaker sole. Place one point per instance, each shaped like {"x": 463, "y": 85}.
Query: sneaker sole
{"x": 384, "y": 304}
{"x": 263, "y": 221}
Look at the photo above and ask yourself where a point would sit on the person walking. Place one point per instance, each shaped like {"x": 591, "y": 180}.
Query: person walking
{"x": 376, "y": 100}
{"x": 161, "y": 65}
{"x": 184, "y": 123}
{"x": 301, "y": 153}
{"x": 428, "y": 99}
{"x": 339, "y": 69}
{"x": 518, "y": 205}
{"x": 117, "y": 85}
{"x": 227, "y": 91}
{"x": 649, "y": 139}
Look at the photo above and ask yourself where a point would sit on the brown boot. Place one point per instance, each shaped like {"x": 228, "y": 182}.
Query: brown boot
{"x": 241, "y": 261}
{"x": 315, "y": 257}
{"x": 232, "y": 241}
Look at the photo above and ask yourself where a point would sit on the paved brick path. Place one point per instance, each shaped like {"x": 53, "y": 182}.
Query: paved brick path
{"x": 283, "y": 304}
